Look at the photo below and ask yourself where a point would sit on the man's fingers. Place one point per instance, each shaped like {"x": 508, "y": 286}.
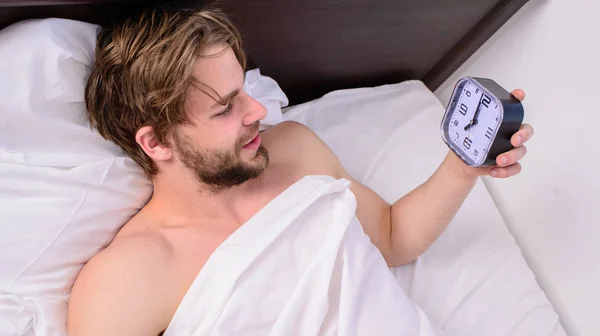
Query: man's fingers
{"x": 523, "y": 135}
{"x": 505, "y": 172}
{"x": 512, "y": 156}
{"x": 519, "y": 94}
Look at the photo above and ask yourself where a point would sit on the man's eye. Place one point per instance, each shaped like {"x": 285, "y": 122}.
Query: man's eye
{"x": 226, "y": 111}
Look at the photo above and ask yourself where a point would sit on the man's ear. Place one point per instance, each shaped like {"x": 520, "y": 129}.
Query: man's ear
{"x": 146, "y": 138}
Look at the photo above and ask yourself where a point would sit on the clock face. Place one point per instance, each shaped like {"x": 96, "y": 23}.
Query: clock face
{"x": 472, "y": 124}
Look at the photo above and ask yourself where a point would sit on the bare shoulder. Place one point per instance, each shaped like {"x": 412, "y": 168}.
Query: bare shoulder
{"x": 295, "y": 143}
{"x": 298, "y": 144}
{"x": 121, "y": 290}
{"x": 287, "y": 133}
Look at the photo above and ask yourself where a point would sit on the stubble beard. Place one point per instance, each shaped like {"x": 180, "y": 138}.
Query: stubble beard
{"x": 219, "y": 170}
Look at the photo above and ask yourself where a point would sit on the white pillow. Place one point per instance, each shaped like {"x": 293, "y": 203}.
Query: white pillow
{"x": 267, "y": 92}
{"x": 473, "y": 280}
{"x": 64, "y": 190}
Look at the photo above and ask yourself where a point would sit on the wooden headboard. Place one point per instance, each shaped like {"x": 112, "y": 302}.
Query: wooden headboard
{"x": 311, "y": 47}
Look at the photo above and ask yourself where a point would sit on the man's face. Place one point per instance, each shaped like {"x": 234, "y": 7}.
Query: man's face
{"x": 221, "y": 147}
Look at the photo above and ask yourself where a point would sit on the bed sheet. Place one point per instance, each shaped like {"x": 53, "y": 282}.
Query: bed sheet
{"x": 474, "y": 279}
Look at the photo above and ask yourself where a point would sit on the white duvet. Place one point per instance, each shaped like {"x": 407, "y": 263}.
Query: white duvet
{"x": 301, "y": 266}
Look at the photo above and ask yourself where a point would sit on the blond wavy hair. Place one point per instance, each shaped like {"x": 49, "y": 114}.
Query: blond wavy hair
{"x": 143, "y": 70}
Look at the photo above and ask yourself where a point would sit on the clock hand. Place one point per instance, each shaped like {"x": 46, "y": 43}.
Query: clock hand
{"x": 478, "y": 109}
{"x": 474, "y": 121}
{"x": 471, "y": 124}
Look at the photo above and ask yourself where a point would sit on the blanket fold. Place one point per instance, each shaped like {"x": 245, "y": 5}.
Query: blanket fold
{"x": 302, "y": 265}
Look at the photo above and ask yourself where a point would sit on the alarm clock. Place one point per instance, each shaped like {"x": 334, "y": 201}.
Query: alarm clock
{"x": 479, "y": 121}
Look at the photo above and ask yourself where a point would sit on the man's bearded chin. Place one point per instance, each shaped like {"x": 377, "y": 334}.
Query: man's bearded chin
{"x": 220, "y": 169}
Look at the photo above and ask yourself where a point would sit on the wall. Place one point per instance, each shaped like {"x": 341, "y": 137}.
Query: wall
{"x": 551, "y": 50}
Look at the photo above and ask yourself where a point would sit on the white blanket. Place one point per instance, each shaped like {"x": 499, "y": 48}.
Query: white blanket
{"x": 302, "y": 265}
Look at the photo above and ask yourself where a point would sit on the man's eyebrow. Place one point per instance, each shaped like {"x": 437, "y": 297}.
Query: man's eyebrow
{"x": 227, "y": 98}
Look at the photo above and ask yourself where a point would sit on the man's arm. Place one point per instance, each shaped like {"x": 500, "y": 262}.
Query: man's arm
{"x": 119, "y": 292}
{"x": 404, "y": 230}
{"x": 407, "y": 228}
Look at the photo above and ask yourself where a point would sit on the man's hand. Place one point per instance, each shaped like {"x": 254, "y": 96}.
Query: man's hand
{"x": 507, "y": 164}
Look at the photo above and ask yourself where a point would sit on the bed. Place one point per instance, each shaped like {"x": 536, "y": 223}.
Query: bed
{"x": 366, "y": 68}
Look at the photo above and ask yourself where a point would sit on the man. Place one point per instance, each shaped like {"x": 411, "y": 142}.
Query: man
{"x": 167, "y": 88}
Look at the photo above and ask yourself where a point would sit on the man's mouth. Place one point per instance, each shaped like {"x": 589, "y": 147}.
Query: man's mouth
{"x": 254, "y": 143}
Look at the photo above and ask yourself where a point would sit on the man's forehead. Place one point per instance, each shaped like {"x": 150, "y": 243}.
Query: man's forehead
{"x": 217, "y": 63}
{"x": 218, "y": 69}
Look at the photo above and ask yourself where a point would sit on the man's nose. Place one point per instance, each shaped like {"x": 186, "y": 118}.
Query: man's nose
{"x": 255, "y": 111}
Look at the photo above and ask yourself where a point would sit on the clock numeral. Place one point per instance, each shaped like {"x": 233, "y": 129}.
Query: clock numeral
{"x": 468, "y": 93}
{"x": 455, "y": 122}
{"x": 457, "y": 136}
{"x": 475, "y": 152}
{"x": 489, "y": 133}
{"x": 467, "y": 143}
{"x": 463, "y": 109}
{"x": 486, "y": 100}
{"x": 477, "y": 91}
